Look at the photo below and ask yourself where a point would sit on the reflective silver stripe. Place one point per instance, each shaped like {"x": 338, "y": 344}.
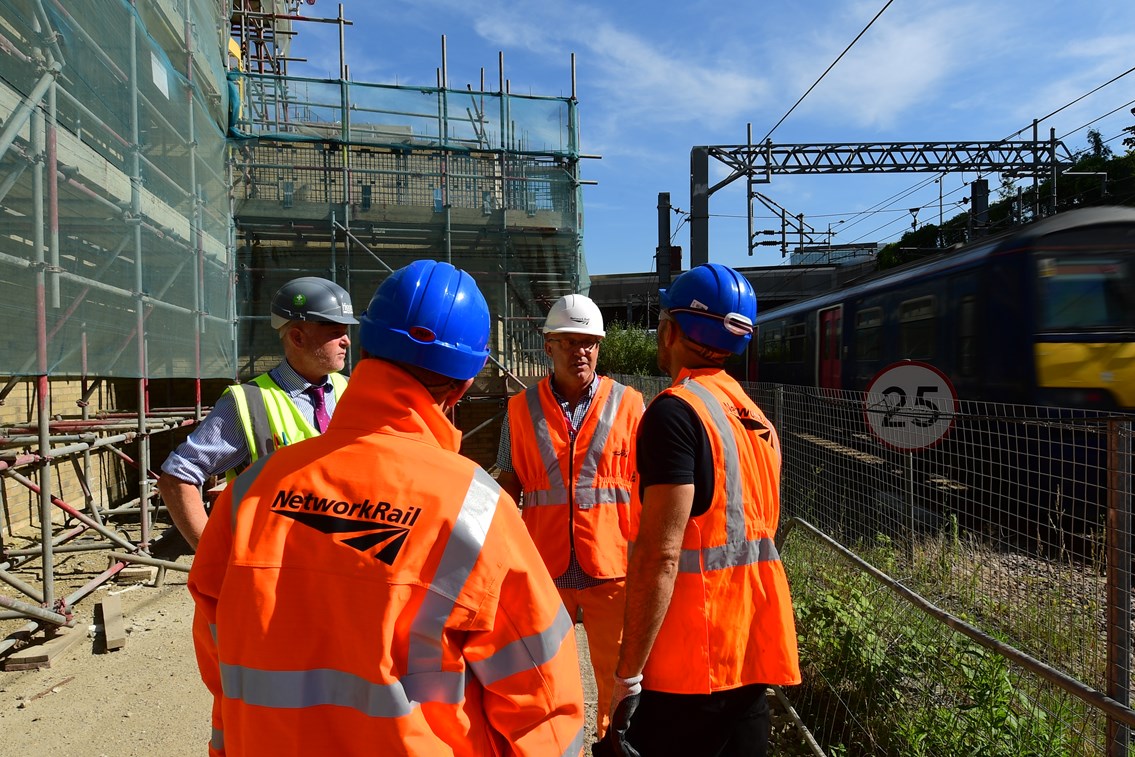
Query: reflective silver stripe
{"x": 444, "y": 686}
{"x": 605, "y": 495}
{"x": 576, "y": 745}
{"x": 589, "y": 465}
{"x": 295, "y": 689}
{"x": 543, "y": 441}
{"x": 732, "y": 555}
{"x": 257, "y": 421}
{"x": 737, "y": 550}
{"x": 545, "y": 497}
{"x": 457, "y": 559}
{"x": 213, "y": 631}
{"x": 734, "y": 502}
{"x": 217, "y": 739}
{"x": 242, "y": 483}
{"x": 523, "y": 654}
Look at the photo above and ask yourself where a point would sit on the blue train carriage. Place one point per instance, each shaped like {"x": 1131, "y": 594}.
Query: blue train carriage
{"x": 1043, "y": 315}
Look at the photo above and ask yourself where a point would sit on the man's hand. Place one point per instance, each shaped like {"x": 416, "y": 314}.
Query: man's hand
{"x": 624, "y": 700}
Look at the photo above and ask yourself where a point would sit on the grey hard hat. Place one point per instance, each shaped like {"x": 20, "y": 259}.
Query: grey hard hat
{"x": 311, "y": 298}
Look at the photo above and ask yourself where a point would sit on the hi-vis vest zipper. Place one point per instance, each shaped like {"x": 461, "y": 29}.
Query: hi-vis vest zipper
{"x": 577, "y": 490}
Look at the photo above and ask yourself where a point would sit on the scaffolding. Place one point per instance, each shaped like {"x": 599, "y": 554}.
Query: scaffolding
{"x": 159, "y": 180}
{"x": 350, "y": 180}
{"x": 116, "y": 276}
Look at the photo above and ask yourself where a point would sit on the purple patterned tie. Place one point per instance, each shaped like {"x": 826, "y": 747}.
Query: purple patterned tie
{"x": 321, "y": 416}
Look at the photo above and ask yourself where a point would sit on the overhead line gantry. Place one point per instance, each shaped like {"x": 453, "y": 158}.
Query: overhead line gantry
{"x": 759, "y": 163}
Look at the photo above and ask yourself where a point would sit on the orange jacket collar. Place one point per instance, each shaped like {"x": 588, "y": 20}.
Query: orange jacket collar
{"x": 693, "y": 373}
{"x": 381, "y": 397}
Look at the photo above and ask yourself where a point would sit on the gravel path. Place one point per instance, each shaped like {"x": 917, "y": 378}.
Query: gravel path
{"x": 145, "y": 699}
{"x": 142, "y": 700}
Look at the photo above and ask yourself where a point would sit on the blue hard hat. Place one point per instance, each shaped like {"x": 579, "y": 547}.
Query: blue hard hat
{"x": 714, "y": 305}
{"x": 431, "y": 315}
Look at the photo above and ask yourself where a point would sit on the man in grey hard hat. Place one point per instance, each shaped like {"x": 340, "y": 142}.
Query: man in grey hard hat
{"x": 568, "y": 444}
{"x": 293, "y": 401}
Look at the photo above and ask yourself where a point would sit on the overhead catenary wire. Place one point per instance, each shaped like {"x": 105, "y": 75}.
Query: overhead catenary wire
{"x": 1111, "y": 112}
{"x": 827, "y": 70}
{"x": 904, "y": 193}
{"x": 854, "y": 217}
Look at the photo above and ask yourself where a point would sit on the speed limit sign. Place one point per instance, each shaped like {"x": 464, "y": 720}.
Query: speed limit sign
{"x": 910, "y": 405}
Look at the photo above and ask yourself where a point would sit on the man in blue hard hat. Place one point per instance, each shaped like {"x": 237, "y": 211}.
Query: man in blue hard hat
{"x": 370, "y": 590}
{"x": 709, "y": 622}
{"x": 293, "y": 401}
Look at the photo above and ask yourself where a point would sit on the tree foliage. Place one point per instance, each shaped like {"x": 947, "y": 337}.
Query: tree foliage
{"x": 1098, "y": 177}
{"x": 628, "y": 350}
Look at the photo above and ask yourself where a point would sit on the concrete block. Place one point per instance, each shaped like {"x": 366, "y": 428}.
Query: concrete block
{"x": 137, "y": 573}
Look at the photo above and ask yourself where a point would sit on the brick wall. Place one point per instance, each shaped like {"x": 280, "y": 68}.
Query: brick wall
{"x": 19, "y": 505}
{"x": 480, "y": 446}
{"x": 113, "y": 481}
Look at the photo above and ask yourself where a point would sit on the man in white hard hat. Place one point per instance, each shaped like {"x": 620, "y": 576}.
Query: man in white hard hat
{"x": 568, "y": 445}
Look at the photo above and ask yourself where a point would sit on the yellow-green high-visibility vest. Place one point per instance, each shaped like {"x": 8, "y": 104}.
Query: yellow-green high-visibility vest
{"x": 269, "y": 417}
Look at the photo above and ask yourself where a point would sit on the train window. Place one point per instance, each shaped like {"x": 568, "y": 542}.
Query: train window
{"x": 967, "y": 336}
{"x": 1084, "y": 292}
{"x": 868, "y": 334}
{"x": 795, "y": 343}
{"x": 772, "y": 344}
{"x": 916, "y": 328}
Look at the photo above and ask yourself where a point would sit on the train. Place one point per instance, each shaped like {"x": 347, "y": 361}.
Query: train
{"x": 1041, "y": 315}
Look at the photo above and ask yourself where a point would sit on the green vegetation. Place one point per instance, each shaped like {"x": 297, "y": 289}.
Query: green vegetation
{"x": 1098, "y": 177}
{"x": 628, "y": 350}
{"x": 883, "y": 678}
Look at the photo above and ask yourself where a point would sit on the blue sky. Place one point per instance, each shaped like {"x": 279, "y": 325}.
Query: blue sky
{"x": 656, "y": 78}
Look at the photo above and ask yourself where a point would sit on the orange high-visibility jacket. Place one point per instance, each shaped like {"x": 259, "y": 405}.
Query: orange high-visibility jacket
{"x": 730, "y": 620}
{"x": 577, "y": 493}
{"x": 370, "y": 591}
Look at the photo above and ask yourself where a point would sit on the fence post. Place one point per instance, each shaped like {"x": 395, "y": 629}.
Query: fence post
{"x": 1118, "y": 578}
{"x": 778, "y": 424}
{"x": 910, "y": 503}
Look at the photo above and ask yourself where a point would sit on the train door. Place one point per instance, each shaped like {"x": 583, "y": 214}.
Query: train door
{"x": 831, "y": 331}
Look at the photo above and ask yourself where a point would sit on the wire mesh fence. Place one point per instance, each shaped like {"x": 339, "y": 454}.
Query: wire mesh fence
{"x": 969, "y": 597}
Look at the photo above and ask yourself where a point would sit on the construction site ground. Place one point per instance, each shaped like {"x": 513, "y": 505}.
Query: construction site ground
{"x": 143, "y": 699}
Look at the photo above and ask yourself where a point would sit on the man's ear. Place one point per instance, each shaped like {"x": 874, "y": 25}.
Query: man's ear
{"x": 455, "y": 394}
{"x": 547, "y": 348}
{"x": 295, "y": 336}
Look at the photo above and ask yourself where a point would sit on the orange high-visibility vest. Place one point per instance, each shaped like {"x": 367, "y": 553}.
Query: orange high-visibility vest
{"x": 730, "y": 619}
{"x": 370, "y": 591}
{"x": 577, "y": 492}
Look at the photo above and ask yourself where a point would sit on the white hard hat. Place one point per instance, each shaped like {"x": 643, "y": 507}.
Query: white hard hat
{"x": 575, "y": 314}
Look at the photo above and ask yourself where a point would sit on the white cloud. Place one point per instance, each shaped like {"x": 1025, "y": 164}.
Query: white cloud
{"x": 895, "y": 68}
{"x": 627, "y": 77}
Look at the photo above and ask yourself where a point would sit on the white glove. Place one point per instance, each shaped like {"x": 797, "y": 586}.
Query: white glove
{"x": 624, "y": 687}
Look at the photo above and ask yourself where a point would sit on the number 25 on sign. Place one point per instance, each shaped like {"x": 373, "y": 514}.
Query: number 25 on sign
{"x": 910, "y": 405}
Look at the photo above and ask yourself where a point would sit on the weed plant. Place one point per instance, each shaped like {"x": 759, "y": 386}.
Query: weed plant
{"x": 881, "y": 677}
{"x": 628, "y": 350}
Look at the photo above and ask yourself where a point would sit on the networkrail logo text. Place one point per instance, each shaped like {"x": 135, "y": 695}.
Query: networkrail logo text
{"x": 373, "y": 524}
